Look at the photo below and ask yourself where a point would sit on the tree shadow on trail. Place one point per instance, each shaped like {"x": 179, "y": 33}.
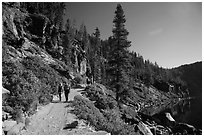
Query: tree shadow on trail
{"x": 71, "y": 126}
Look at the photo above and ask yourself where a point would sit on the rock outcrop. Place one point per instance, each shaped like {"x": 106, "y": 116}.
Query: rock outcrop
{"x": 29, "y": 27}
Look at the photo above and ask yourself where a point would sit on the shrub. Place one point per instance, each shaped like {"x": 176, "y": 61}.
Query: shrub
{"x": 96, "y": 89}
{"x": 115, "y": 124}
{"x": 100, "y": 89}
{"x": 29, "y": 81}
{"x": 102, "y": 101}
{"x": 43, "y": 72}
{"x": 86, "y": 110}
{"x": 105, "y": 102}
{"x": 109, "y": 120}
{"x": 18, "y": 115}
{"x": 14, "y": 81}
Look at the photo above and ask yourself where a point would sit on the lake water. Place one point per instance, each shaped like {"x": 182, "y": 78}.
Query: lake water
{"x": 183, "y": 111}
{"x": 188, "y": 111}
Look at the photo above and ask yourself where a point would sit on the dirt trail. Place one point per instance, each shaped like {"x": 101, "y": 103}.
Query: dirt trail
{"x": 52, "y": 118}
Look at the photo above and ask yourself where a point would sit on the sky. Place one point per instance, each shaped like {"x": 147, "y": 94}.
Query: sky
{"x": 169, "y": 33}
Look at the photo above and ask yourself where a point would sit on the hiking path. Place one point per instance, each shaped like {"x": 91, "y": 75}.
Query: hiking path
{"x": 53, "y": 118}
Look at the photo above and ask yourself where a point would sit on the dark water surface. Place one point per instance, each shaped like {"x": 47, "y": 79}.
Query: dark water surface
{"x": 188, "y": 111}
{"x": 183, "y": 111}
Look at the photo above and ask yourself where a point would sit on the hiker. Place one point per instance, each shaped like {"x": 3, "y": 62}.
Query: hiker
{"x": 88, "y": 81}
{"x": 60, "y": 88}
{"x": 67, "y": 88}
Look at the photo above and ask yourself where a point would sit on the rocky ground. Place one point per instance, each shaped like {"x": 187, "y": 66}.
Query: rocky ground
{"x": 54, "y": 119}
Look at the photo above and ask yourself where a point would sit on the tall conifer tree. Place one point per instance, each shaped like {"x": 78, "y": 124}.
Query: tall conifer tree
{"x": 119, "y": 60}
{"x": 97, "y": 56}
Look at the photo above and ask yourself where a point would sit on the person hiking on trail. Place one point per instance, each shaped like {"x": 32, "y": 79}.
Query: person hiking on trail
{"x": 60, "y": 88}
{"x": 88, "y": 81}
{"x": 67, "y": 88}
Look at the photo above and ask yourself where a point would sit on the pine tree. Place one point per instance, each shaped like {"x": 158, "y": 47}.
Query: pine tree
{"x": 85, "y": 40}
{"x": 94, "y": 55}
{"x": 97, "y": 55}
{"x": 119, "y": 60}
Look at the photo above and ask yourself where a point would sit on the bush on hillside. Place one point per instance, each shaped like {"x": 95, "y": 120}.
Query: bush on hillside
{"x": 100, "y": 89}
{"x": 43, "y": 72}
{"x": 30, "y": 82}
{"x": 105, "y": 102}
{"x": 102, "y": 101}
{"x": 108, "y": 120}
{"x": 85, "y": 109}
{"x": 14, "y": 81}
{"x": 115, "y": 124}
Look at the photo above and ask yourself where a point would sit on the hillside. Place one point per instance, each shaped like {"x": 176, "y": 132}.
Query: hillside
{"x": 29, "y": 72}
{"x": 122, "y": 94}
{"x": 192, "y": 75}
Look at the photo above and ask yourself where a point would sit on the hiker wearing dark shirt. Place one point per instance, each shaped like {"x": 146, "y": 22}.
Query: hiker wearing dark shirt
{"x": 60, "y": 89}
{"x": 88, "y": 81}
{"x": 66, "y": 91}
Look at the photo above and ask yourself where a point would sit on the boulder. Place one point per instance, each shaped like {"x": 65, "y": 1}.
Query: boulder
{"x": 165, "y": 119}
{"x": 169, "y": 120}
